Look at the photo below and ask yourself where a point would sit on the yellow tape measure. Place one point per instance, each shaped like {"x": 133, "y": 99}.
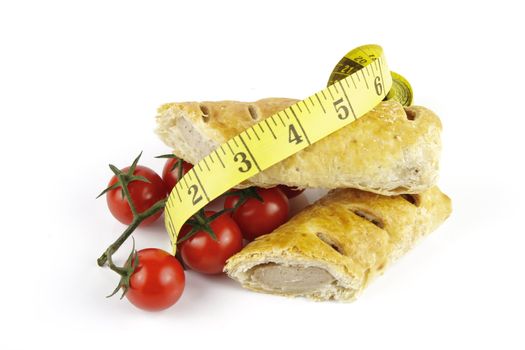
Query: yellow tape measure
{"x": 357, "y": 84}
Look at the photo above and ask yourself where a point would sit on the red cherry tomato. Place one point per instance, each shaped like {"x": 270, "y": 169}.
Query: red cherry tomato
{"x": 290, "y": 192}
{"x": 143, "y": 194}
{"x": 170, "y": 175}
{"x": 203, "y": 254}
{"x": 257, "y": 218}
{"x": 157, "y": 282}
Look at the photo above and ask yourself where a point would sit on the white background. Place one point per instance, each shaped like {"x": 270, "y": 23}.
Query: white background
{"x": 79, "y": 86}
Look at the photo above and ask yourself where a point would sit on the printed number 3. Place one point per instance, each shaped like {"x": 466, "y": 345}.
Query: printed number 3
{"x": 342, "y": 110}
{"x": 241, "y": 157}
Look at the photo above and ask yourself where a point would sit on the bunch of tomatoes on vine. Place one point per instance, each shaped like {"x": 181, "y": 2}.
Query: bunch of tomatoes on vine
{"x": 153, "y": 279}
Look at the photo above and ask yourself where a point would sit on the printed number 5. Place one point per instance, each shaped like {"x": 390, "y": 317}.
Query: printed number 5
{"x": 241, "y": 157}
{"x": 341, "y": 109}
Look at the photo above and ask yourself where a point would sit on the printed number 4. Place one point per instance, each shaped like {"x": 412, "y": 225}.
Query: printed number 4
{"x": 293, "y": 136}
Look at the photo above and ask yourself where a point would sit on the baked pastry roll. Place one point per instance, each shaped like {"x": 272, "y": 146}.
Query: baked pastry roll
{"x": 336, "y": 246}
{"x": 390, "y": 150}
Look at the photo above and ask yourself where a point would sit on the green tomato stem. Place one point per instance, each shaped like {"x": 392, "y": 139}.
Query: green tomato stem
{"x": 137, "y": 220}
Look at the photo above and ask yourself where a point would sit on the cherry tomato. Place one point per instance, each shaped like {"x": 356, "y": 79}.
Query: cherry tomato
{"x": 157, "y": 282}
{"x": 171, "y": 177}
{"x": 290, "y": 192}
{"x": 203, "y": 254}
{"x": 256, "y": 218}
{"x": 143, "y": 194}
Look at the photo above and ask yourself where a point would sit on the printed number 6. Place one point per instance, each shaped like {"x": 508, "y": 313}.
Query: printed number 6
{"x": 241, "y": 156}
{"x": 378, "y": 85}
{"x": 342, "y": 110}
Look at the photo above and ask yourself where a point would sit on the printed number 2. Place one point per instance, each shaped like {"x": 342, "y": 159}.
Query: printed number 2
{"x": 293, "y": 136}
{"x": 341, "y": 109}
{"x": 193, "y": 191}
{"x": 241, "y": 157}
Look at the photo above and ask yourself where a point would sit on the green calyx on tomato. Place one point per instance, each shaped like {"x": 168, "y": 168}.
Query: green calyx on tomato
{"x": 201, "y": 222}
{"x": 207, "y": 253}
{"x": 257, "y": 211}
{"x": 242, "y": 196}
{"x": 125, "y": 271}
{"x": 174, "y": 169}
{"x": 132, "y": 204}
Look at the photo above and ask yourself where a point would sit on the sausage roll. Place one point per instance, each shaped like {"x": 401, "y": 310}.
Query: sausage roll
{"x": 390, "y": 150}
{"x": 333, "y": 248}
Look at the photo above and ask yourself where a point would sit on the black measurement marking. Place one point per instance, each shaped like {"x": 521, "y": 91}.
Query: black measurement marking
{"x": 268, "y": 125}
{"x": 304, "y": 103}
{"x": 299, "y": 107}
{"x": 335, "y": 87}
{"x": 366, "y": 81}
{"x": 260, "y": 127}
{"x": 172, "y": 229}
{"x": 372, "y": 67}
{"x": 353, "y": 81}
{"x": 200, "y": 184}
{"x": 381, "y": 70}
{"x": 358, "y": 79}
{"x": 170, "y": 220}
{"x": 255, "y": 133}
{"x": 189, "y": 176}
{"x": 311, "y": 101}
{"x": 178, "y": 194}
{"x": 322, "y": 91}
{"x": 223, "y": 151}
{"x": 185, "y": 181}
{"x": 200, "y": 166}
{"x": 219, "y": 158}
{"x": 346, "y": 82}
{"x": 367, "y": 70}
{"x": 211, "y": 158}
{"x": 377, "y": 64}
{"x": 281, "y": 119}
{"x": 318, "y": 99}
{"x": 273, "y": 120}
{"x": 206, "y": 163}
{"x": 230, "y": 147}
{"x": 236, "y": 144}
{"x": 330, "y": 92}
{"x": 286, "y": 114}
{"x": 249, "y": 152}
{"x": 301, "y": 126}
{"x": 347, "y": 100}
{"x": 246, "y": 132}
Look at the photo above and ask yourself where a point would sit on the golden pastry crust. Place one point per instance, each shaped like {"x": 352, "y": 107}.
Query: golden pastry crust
{"x": 390, "y": 150}
{"x": 351, "y": 234}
